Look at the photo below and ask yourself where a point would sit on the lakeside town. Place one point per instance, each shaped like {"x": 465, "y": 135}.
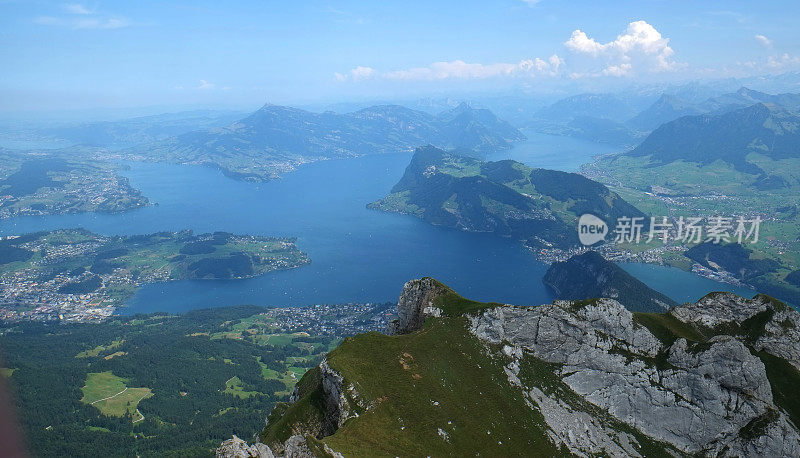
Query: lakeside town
{"x": 77, "y": 276}
{"x": 333, "y": 319}
{"x": 81, "y": 188}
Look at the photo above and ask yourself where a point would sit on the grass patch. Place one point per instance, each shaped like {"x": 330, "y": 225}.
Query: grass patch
{"x": 235, "y": 387}
{"x": 128, "y": 402}
{"x": 110, "y": 394}
{"x": 99, "y": 349}
{"x": 114, "y": 355}
{"x": 100, "y": 385}
{"x": 667, "y": 328}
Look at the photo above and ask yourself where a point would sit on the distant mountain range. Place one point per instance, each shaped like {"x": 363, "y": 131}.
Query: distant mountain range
{"x": 739, "y": 147}
{"x": 768, "y": 130}
{"x": 538, "y": 206}
{"x": 669, "y": 108}
{"x": 590, "y": 276}
{"x": 626, "y": 120}
{"x": 145, "y": 129}
{"x": 665, "y": 109}
{"x": 595, "y": 117}
{"x": 277, "y": 139}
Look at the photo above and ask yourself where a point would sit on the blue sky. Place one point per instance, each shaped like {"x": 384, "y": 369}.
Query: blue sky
{"x": 60, "y": 55}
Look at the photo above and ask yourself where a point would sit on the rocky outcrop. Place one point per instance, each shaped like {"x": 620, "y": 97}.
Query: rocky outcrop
{"x": 295, "y": 447}
{"x": 698, "y": 398}
{"x": 337, "y": 406}
{"x": 237, "y": 448}
{"x": 416, "y": 302}
{"x": 770, "y": 325}
{"x": 717, "y": 309}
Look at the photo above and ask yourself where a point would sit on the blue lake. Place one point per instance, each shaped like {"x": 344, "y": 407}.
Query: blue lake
{"x": 678, "y": 284}
{"x": 358, "y": 255}
{"x": 553, "y": 152}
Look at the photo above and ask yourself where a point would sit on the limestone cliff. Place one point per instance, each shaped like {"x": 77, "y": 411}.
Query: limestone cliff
{"x": 415, "y": 303}
{"x": 701, "y": 397}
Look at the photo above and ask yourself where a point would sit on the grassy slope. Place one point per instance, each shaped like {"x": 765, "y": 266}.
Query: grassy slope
{"x": 442, "y": 377}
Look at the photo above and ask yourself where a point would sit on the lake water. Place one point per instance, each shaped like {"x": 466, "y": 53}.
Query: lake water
{"x": 358, "y": 255}
{"x": 553, "y": 152}
{"x": 679, "y": 285}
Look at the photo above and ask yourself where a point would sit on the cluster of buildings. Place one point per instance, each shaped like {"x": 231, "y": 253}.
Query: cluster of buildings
{"x": 25, "y": 297}
{"x": 101, "y": 191}
{"x": 333, "y": 319}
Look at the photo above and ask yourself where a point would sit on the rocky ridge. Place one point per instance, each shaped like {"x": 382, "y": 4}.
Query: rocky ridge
{"x": 698, "y": 398}
{"x": 697, "y": 380}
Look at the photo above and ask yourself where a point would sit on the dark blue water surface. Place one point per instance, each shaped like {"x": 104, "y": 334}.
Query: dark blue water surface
{"x": 357, "y": 254}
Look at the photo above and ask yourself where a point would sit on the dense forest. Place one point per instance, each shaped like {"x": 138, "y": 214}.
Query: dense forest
{"x": 187, "y": 362}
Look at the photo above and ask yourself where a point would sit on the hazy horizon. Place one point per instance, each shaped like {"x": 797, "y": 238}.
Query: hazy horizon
{"x": 181, "y": 56}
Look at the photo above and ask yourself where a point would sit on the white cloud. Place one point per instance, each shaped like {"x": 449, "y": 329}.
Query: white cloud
{"x": 617, "y": 70}
{"x": 458, "y": 69}
{"x": 531, "y": 2}
{"x": 80, "y": 17}
{"x": 641, "y": 48}
{"x": 205, "y": 85}
{"x": 783, "y": 62}
{"x": 77, "y": 8}
{"x": 356, "y": 74}
{"x": 580, "y": 42}
{"x": 763, "y": 41}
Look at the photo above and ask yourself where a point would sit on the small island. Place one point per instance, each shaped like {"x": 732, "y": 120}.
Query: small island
{"x": 76, "y": 275}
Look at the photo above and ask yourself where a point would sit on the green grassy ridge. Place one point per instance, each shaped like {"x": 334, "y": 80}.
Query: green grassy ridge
{"x": 441, "y": 376}
{"x": 438, "y": 377}
{"x": 448, "y": 382}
